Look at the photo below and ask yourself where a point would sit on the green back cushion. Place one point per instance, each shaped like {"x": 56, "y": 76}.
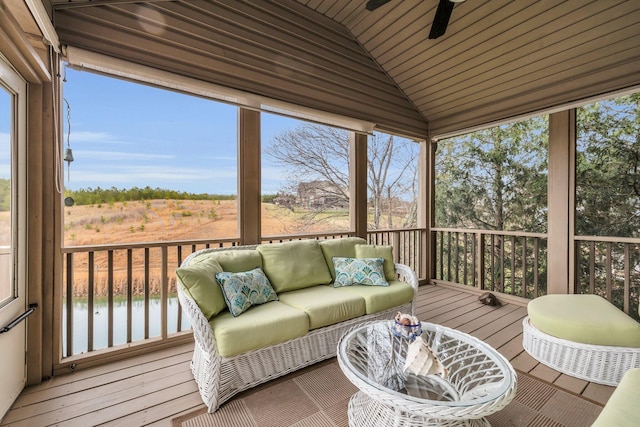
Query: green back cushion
{"x": 622, "y": 407}
{"x": 236, "y": 260}
{"x": 199, "y": 277}
{"x": 294, "y": 265}
{"x": 344, "y": 247}
{"x": 587, "y": 319}
{"x": 379, "y": 251}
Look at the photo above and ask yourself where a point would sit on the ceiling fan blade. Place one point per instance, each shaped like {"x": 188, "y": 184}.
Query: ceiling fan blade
{"x": 374, "y": 4}
{"x": 441, "y": 20}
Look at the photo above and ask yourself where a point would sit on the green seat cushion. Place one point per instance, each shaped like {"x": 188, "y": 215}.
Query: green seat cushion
{"x": 380, "y": 298}
{"x": 324, "y": 305}
{"x": 379, "y": 251}
{"x": 294, "y": 265}
{"x": 588, "y": 319}
{"x": 344, "y": 248}
{"x": 199, "y": 277}
{"x": 260, "y": 326}
{"x": 622, "y": 407}
{"x": 236, "y": 260}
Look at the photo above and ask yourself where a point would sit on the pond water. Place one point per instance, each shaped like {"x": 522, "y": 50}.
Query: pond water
{"x": 100, "y": 321}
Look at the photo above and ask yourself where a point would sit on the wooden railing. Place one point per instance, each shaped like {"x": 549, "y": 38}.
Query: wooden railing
{"x": 119, "y": 294}
{"x": 509, "y": 262}
{"x": 108, "y": 277}
{"x": 609, "y": 267}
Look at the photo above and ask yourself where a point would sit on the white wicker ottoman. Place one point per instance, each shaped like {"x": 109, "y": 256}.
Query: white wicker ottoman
{"x": 600, "y": 364}
{"x": 480, "y": 382}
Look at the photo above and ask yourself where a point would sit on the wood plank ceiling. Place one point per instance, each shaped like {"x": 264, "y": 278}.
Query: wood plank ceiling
{"x": 498, "y": 58}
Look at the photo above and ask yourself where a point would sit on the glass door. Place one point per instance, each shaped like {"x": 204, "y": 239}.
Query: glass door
{"x": 12, "y": 235}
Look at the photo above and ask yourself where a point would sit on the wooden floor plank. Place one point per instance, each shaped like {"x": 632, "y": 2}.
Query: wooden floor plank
{"x": 85, "y": 382}
{"x": 154, "y": 388}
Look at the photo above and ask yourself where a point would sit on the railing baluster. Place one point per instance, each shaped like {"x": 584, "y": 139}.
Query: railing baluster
{"x": 457, "y": 258}
{"x": 513, "y": 265}
{"x": 70, "y": 268}
{"x": 147, "y": 292}
{"x": 90, "y": 296}
{"x": 442, "y": 255}
{"x": 110, "y": 298}
{"x": 592, "y": 267}
{"x": 503, "y": 247}
{"x": 164, "y": 290}
{"x": 524, "y": 268}
{"x": 449, "y": 255}
{"x": 466, "y": 259}
{"x": 179, "y": 318}
{"x": 608, "y": 272}
{"x": 627, "y": 278}
{"x": 536, "y": 253}
{"x": 129, "y": 293}
{"x": 477, "y": 267}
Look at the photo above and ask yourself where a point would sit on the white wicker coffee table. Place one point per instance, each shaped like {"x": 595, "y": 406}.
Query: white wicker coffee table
{"x": 480, "y": 381}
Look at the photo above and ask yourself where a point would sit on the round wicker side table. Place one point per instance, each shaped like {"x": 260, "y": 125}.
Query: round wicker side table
{"x": 480, "y": 380}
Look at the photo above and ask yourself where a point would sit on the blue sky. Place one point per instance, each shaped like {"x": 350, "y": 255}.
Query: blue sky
{"x": 126, "y": 134}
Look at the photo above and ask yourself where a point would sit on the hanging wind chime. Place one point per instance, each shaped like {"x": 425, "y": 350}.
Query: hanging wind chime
{"x": 68, "y": 154}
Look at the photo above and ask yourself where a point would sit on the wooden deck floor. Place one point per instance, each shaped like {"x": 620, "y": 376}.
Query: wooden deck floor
{"x": 157, "y": 387}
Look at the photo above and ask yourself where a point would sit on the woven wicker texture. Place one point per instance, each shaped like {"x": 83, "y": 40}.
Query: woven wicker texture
{"x": 221, "y": 378}
{"x": 596, "y": 363}
{"x": 480, "y": 380}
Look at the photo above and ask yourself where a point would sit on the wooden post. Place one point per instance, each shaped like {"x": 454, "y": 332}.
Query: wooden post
{"x": 249, "y": 177}
{"x": 426, "y": 209}
{"x": 358, "y": 183}
{"x": 560, "y": 233}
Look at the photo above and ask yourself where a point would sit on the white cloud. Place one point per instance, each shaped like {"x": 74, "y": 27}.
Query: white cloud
{"x": 89, "y": 137}
{"x": 118, "y": 155}
{"x": 145, "y": 175}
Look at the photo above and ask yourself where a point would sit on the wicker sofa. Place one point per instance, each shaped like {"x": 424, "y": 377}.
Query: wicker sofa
{"x": 300, "y": 327}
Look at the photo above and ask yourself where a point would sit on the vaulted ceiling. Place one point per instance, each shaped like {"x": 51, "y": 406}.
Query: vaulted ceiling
{"x": 498, "y": 58}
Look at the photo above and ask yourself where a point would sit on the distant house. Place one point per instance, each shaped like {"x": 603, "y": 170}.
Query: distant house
{"x": 286, "y": 200}
{"x": 321, "y": 195}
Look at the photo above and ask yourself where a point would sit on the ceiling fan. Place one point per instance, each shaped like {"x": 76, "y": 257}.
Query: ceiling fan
{"x": 440, "y": 20}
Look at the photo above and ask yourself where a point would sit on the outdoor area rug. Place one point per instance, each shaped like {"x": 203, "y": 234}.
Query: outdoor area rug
{"x": 318, "y": 396}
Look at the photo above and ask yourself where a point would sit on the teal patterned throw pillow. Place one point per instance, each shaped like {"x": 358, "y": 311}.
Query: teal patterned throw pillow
{"x": 246, "y": 289}
{"x": 359, "y": 271}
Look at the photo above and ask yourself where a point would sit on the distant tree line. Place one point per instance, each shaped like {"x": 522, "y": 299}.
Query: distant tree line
{"x": 5, "y": 194}
{"x": 94, "y": 196}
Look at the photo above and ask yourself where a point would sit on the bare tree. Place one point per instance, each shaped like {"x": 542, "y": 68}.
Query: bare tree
{"x": 314, "y": 153}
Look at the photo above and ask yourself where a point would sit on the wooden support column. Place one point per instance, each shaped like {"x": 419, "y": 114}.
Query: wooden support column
{"x": 249, "y": 177}
{"x": 358, "y": 197}
{"x": 560, "y": 196}
{"x": 426, "y": 208}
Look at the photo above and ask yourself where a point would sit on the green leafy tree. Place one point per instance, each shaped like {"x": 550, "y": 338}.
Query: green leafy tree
{"x": 608, "y": 168}
{"x": 608, "y": 197}
{"x": 494, "y": 179}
